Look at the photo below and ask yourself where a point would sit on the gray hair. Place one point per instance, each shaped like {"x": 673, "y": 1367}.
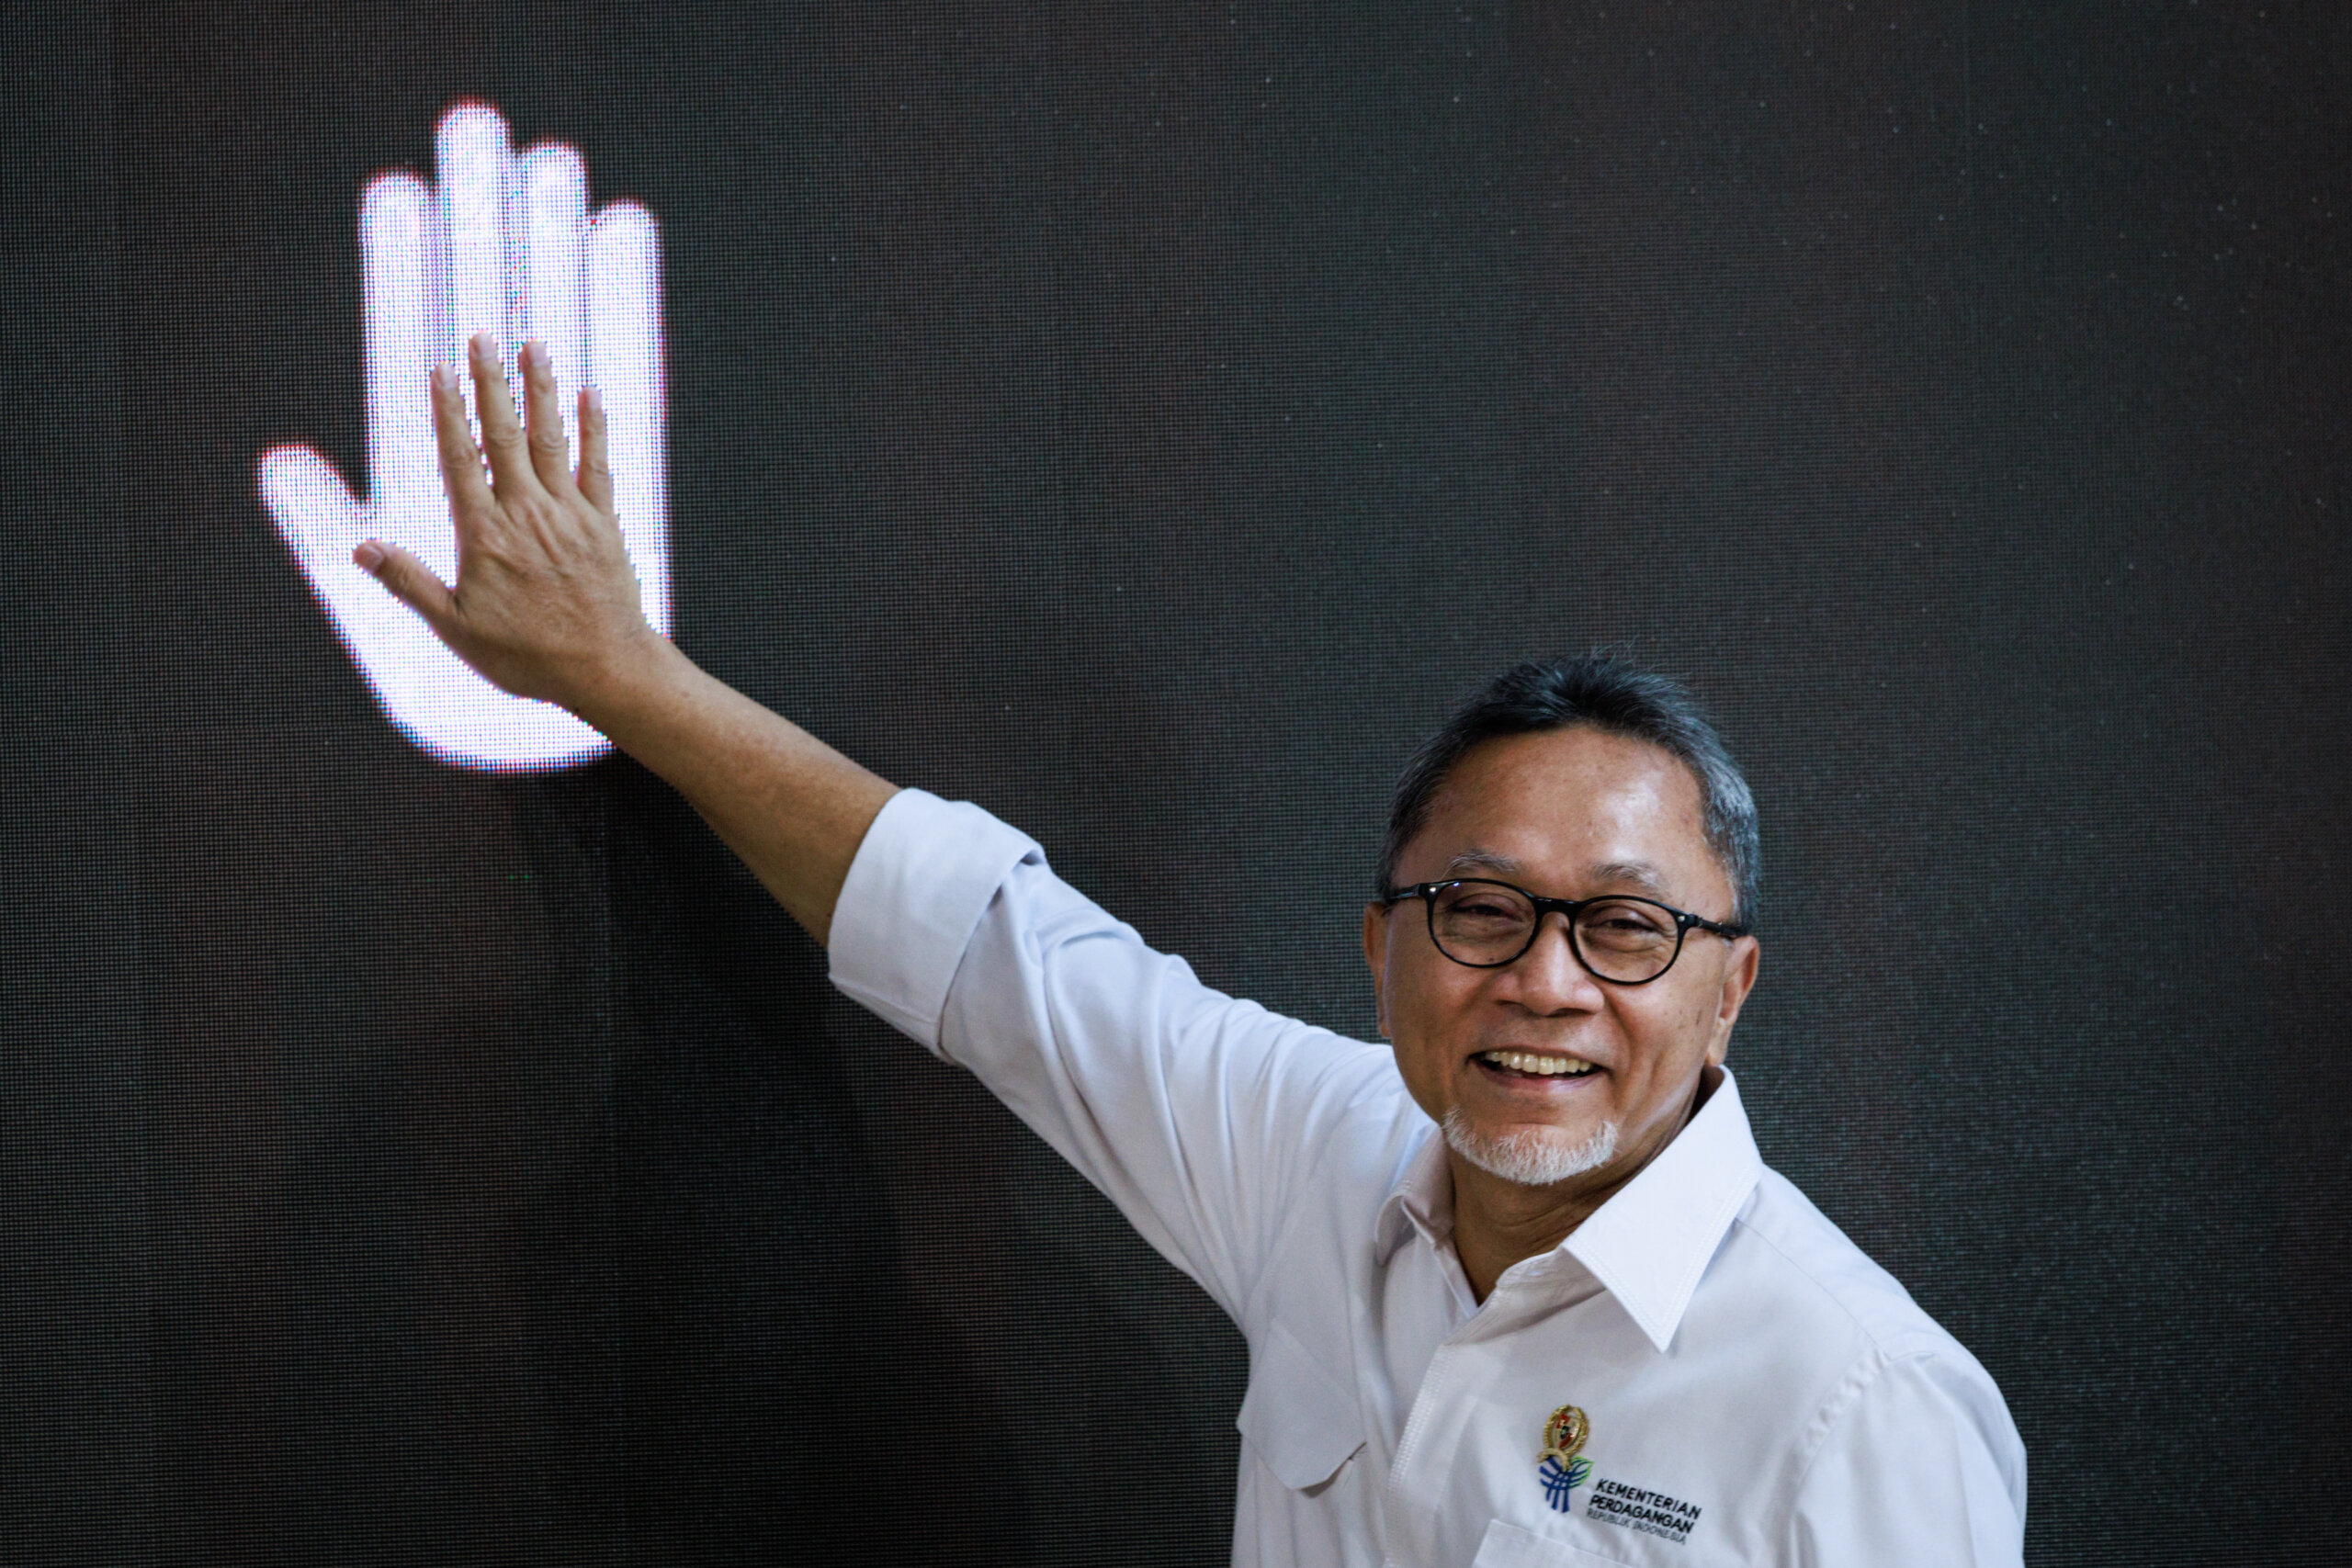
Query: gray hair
{"x": 1599, "y": 691}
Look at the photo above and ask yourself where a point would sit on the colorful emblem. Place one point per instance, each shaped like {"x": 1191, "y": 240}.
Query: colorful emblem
{"x": 1563, "y": 1466}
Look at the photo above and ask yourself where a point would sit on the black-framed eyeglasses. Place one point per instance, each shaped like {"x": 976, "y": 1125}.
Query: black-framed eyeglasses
{"x": 1621, "y": 939}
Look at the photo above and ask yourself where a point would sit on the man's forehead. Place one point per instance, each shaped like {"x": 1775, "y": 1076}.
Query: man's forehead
{"x": 1576, "y": 775}
{"x": 1577, "y": 805}
{"x": 1640, "y": 874}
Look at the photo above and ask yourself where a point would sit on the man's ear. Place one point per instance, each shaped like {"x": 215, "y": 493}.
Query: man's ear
{"x": 1740, "y": 978}
{"x": 1376, "y": 958}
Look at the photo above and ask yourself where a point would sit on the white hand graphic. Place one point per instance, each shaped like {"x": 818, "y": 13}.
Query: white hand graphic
{"x": 506, "y": 246}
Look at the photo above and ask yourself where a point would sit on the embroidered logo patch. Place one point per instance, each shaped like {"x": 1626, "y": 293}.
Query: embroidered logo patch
{"x": 1638, "y": 1508}
{"x": 1563, "y": 1466}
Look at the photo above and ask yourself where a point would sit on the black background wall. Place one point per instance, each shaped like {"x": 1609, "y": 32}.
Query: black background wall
{"x": 1144, "y": 421}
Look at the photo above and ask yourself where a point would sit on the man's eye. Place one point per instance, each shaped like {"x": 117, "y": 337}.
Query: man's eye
{"x": 1620, "y": 924}
{"x": 1486, "y": 909}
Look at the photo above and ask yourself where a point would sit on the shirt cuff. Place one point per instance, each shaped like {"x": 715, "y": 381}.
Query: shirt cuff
{"x": 923, "y": 875}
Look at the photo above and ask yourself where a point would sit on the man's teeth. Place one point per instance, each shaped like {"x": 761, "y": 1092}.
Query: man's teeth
{"x": 1528, "y": 1062}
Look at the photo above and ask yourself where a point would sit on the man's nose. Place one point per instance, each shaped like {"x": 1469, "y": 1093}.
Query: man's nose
{"x": 1549, "y": 977}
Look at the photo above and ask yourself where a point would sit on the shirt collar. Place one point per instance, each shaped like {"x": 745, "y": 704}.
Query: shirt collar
{"x": 1421, "y": 1201}
{"x": 1650, "y": 1242}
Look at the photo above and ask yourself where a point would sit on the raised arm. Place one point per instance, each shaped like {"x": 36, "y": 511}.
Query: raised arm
{"x": 545, "y": 606}
{"x": 1194, "y": 1112}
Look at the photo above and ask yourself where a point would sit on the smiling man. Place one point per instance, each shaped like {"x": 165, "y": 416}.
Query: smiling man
{"x": 1561, "y": 1042}
{"x": 1516, "y": 1288}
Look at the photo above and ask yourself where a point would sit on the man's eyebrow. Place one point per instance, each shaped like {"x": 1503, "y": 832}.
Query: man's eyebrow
{"x": 1470, "y": 862}
{"x": 1640, "y": 873}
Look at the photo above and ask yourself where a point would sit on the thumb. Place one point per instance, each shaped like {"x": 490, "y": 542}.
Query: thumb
{"x": 410, "y": 581}
{"x": 315, "y": 512}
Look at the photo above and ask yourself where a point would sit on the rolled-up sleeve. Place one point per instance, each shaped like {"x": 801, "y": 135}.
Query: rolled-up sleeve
{"x": 1192, "y": 1111}
{"x": 925, "y": 873}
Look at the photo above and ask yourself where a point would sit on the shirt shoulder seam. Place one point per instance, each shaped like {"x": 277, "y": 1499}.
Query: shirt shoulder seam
{"x": 1826, "y": 1417}
{"x": 1925, "y": 1340}
{"x": 1866, "y": 1368}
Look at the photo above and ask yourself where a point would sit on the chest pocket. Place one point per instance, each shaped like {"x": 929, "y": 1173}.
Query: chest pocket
{"x": 1507, "y": 1545}
{"x": 1304, "y": 1421}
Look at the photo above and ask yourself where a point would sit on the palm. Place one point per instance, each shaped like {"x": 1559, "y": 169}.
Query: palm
{"x": 506, "y": 245}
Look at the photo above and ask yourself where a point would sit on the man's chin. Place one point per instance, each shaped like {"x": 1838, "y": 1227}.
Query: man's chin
{"x": 1531, "y": 1156}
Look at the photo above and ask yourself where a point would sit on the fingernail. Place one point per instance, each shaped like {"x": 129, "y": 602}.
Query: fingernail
{"x": 537, "y": 355}
{"x": 445, "y": 379}
{"x": 485, "y": 347}
{"x": 595, "y": 401}
{"x": 368, "y": 555}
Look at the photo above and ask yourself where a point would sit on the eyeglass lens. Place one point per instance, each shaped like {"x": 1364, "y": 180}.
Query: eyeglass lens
{"x": 1488, "y": 924}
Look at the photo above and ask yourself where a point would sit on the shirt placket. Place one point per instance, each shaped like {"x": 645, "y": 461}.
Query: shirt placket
{"x": 1420, "y": 1479}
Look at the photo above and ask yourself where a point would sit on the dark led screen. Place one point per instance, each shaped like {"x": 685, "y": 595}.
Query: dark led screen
{"x": 422, "y": 1143}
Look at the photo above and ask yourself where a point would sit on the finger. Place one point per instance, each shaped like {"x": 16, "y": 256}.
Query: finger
{"x": 502, "y": 433}
{"x": 472, "y": 151}
{"x": 625, "y": 349}
{"x": 410, "y": 581}
{"x": 543, "y": 408}
{"x": 395, "y": 217}
{"x": 595, "y": 455}
{"x": 470, "y": 499}
{"x": 552, "y": 229}
{"x": 315, "y": 512}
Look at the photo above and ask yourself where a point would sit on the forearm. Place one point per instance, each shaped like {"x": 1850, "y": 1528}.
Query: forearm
{"x": 790, "y": 806}
{"x": 547, "y": 606}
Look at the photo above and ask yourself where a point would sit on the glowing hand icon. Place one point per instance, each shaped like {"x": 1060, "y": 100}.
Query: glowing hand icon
{"x": 506, "y": 246}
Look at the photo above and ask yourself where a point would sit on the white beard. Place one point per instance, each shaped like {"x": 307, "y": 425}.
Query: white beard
{"x": 1533, "y": 1156}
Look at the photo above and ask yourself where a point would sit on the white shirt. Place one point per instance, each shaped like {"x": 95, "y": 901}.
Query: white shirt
{"x": 1753, "y": 1389}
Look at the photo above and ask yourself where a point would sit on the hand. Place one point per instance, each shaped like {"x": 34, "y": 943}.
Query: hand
{"x": 589, "y": 293}
{"x": 545, "y": 605}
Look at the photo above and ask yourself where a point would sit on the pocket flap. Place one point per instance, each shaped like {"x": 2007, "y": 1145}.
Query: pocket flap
{"x": 1507, "y": 1545}
{"x": 1304, "y": 1421}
